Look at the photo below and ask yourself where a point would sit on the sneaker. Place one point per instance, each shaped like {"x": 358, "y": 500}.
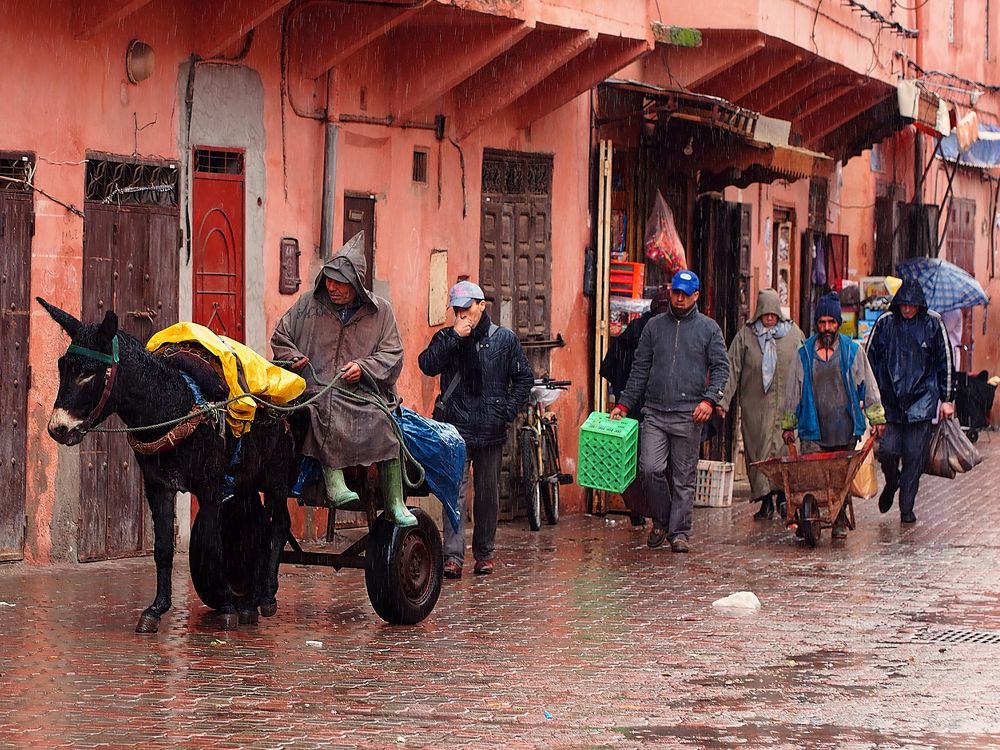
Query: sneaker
{"x": 452, "y": 569}
{"x": 483, "y": 567}
{"x": 886, "y": 499}
{"x": 680, "y": 544}
{"x": 656, "y": 538}
{"x": 907, "y": 518}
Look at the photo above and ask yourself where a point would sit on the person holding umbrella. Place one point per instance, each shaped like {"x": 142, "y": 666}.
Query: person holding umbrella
{"x": 910, "y": 354}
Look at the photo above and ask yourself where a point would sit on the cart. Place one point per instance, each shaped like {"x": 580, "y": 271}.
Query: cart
{"x": 816, "y": 486}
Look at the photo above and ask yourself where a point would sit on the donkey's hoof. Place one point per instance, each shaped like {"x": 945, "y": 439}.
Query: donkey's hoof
{"x": 147, "y": 623}
{"x": 269, "y": 609}
{"x": 230, "y": 620}
{"x": 249, "y": 617}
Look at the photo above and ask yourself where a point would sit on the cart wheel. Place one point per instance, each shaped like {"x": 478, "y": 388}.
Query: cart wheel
{"x": 809, "y": 520}
{"x": 973, "y": 435}
{"x": 403, "y": 569}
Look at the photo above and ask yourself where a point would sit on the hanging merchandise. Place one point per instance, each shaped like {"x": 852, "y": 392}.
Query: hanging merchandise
{"x": 819, "y": 261}
{"x": 663, "y": 243}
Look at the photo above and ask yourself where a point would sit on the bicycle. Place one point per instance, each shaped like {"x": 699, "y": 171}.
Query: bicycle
{"x": 538, "y": 453}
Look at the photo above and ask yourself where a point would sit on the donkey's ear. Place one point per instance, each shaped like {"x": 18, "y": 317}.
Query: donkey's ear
{"x": 69, "y": 324}
{"x": 109, "y": 326}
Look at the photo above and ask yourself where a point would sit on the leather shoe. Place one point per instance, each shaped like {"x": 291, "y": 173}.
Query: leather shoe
{"x": 452, "y": 569}
{"x": 483, "y": 567}
{"x": 907, "y": 518}
{"x": 680, "y": 544}
{"x": 656, "y": 538}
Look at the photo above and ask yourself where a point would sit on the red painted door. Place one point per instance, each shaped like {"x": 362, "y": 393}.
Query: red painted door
{"x": 217, "y": 196}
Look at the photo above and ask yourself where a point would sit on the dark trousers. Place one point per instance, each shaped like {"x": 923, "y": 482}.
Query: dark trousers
{"x": 669, "y": 466}
{"x": 485, "y": 464}
{"x": 906, "y": 444}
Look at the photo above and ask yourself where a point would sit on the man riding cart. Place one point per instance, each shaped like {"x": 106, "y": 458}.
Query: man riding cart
{"x": 339, "y": 329}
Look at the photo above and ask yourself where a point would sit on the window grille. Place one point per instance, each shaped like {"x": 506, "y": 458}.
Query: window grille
{"x": 420, "y": 166}
{"x": 131, "y": 183}
{"x": 15, "y": 173}
{"x": 216, "y": 161}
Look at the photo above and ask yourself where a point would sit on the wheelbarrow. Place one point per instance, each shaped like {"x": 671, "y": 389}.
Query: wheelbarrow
{"x": 817, "y": 486}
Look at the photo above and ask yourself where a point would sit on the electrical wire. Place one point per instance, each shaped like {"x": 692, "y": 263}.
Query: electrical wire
{"x": 912, "y": 7}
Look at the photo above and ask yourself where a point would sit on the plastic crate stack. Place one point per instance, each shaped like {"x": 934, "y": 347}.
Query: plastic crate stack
{"x": 627, "y": 279}
{"x": 714, "y": 488}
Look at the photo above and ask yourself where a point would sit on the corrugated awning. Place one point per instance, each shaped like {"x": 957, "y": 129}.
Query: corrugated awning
{"x": 761, "y": 152}
{"x": 983, "y": 154}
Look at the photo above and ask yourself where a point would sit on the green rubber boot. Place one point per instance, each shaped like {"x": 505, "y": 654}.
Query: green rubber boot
{"x": 390, "y": 474}
{"x": 337, "y": 490}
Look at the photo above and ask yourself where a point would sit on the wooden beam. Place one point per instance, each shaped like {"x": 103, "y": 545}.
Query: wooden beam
{"x": 605, "y": 58}
{"x": 720, "y": 52}
{"x": 790, "y": 106}
{"x": 90, "y": 18}
{"x": 836, "y": 115}
{"x": 513, "y": 74}
{"x": 764, "y": 68}
{"x": 770, "y": 96}
{"x": 424, "y": 78}
{"x": 222, "y": 25}
{"x": 826, "y": 98}
{"x": 328, "y": 35}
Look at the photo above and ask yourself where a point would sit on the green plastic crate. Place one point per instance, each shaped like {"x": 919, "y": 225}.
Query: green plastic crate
{"x": 607, "y": 455}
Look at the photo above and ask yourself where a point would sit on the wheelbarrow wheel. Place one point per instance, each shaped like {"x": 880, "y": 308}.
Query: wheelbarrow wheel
{"x": 809, "y": 520}
{"x": 973, "y": 435}
{"x": 404, "y": 568}
{"x": 530, "y": 486}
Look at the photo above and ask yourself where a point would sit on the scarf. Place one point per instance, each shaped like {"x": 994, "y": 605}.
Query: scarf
{"x": 766, "y": 338}
{"x": 471, "y": 364}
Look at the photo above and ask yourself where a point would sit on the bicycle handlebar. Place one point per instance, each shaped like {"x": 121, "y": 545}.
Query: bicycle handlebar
{"x": 549, "y": 383}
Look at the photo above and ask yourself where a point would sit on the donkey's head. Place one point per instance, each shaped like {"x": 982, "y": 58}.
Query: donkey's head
{"x": 86, "y": 374}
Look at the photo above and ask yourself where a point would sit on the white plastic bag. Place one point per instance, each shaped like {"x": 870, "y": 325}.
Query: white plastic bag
{"x": 746, "y": 600}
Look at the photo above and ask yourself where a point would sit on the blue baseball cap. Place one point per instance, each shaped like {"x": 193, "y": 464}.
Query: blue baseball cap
{"x": 686, "y": 282}
{"x": 464, "y": 293}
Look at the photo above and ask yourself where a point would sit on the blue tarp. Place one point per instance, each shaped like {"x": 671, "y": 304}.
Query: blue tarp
{"x": 441, "y": 451}
{"x": 982, "y": 154}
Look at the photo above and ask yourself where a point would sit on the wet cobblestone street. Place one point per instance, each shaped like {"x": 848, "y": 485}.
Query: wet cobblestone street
{"x": 582, "y": 638}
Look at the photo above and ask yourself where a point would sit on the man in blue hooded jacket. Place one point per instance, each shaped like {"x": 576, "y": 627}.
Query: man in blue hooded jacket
{"x": 911, "y": 356}
{"x": 825, "y": 390}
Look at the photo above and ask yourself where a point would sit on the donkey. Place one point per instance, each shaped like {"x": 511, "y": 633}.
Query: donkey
{"x": 106, "y": 371}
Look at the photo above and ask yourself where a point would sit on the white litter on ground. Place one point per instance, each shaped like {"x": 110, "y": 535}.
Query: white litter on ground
{"x": 7, "y": 604}
{"x": 317, "y": 644}
{"x": 740, "y": 600}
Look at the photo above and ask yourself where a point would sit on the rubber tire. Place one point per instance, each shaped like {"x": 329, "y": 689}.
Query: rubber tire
{"x": 811, "y": 530}
{"x": 550, "y": 489}
{"x": 973, "y": 436}
{"x": 393, "y": 551}
{"x": 531, "y": 490}
{"x": 225, "y": 560}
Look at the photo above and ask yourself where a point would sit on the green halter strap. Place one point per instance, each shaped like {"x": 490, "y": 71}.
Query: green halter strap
{"x": 83, "y": 351}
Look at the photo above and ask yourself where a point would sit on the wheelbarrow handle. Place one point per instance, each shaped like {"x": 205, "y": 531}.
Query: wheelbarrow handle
{"x": 792, "y": 450}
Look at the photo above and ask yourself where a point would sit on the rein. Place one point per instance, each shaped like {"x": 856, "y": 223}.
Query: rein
{"x": 109, "y": 384}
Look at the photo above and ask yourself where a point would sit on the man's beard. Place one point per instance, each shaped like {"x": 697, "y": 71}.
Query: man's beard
{"x": 680, "y": 312}
{"x": 826, "y": 340}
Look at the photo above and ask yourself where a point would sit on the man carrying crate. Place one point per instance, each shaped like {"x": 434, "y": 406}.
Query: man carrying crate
{"x": 680, "y": 372}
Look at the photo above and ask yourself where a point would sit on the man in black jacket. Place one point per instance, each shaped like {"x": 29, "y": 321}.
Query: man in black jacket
{"x": 485, "y": 382}
{"x": 911, "y": 357}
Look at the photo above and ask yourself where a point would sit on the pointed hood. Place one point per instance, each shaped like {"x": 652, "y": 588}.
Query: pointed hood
{"x": 767, "y": 302}
{"x": 348, "y": 265}
{"x": 910, "y": 293}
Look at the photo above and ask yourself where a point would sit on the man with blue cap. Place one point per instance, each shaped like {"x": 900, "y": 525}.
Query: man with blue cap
{"x": 679, "y": 375}
{"x": 485, "y": 382}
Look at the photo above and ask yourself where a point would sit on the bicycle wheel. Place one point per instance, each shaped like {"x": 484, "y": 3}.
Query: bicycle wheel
{"x": 530, "y": 487}
{"x": 550, "y": 477}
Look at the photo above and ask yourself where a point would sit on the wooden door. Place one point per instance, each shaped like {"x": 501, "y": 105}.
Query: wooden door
{"x": 130, "y": 252}
{"x": 218, "y": 229}
{"x": 17, "y": 226}
{"x": 962, "y": 252}
{"x": 359, "y": 215}
{"x": 515, "y": 266}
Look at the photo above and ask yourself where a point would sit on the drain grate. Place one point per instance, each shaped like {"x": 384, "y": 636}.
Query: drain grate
{"x": 957, "y": 635}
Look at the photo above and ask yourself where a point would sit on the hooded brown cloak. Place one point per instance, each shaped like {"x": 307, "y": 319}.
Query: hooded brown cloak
{"x": 344, "y": 433}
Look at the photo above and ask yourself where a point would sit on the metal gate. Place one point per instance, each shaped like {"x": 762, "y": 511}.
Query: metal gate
{"x": 17, "y": 226}
{"x": 217, "y": 209}
{"x": 515, "y": 263}
{"x": 130, "y": 256}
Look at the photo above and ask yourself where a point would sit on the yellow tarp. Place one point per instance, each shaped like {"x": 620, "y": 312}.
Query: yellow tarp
{"x": 263, "y": 379}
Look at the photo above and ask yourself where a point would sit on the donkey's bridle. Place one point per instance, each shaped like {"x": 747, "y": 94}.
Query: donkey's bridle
{"x": 109, "y": 384}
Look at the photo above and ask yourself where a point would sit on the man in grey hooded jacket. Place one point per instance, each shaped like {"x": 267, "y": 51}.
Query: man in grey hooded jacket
{"x": 340, "y": 329}
{"x": 680, "y": 373}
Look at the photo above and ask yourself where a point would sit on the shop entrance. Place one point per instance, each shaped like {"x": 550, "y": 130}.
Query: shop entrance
{"x": 130, "y": 265}
{"x": 515, "y": 264}
{"x": 17, "y": 226}
{"x": 722, "y": 239}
